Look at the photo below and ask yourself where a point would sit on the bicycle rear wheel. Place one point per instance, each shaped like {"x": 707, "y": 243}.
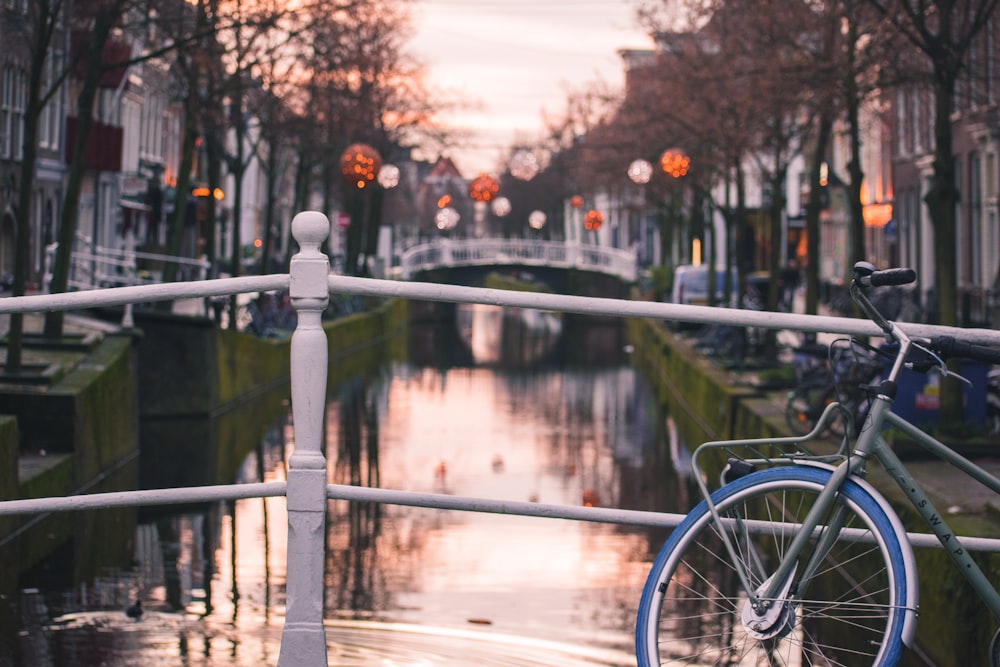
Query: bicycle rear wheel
{"x": 852, "y": 611}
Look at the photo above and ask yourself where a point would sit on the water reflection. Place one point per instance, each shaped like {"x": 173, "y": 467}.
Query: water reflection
{"x": 412, "y": 585}
{"x": 508, "y": 336}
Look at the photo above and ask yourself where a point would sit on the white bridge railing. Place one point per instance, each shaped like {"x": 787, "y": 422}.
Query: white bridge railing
{"x": 310, "y": 284}
{"x": 444, "y": 253}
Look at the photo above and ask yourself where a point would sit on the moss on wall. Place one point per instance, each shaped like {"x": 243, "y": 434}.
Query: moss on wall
{"x": 954, "y": 628}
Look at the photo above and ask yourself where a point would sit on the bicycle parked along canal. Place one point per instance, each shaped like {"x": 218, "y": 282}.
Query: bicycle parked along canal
{"x": 796, "y": 559}
{"x": 840, "y": 374}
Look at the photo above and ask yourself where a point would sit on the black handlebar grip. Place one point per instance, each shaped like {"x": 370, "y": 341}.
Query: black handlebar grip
{"x": 893, "y": 277}
{"x": 949, "y": 346}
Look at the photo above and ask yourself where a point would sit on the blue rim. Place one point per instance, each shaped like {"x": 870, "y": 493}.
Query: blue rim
{"x": 648, "y": 613}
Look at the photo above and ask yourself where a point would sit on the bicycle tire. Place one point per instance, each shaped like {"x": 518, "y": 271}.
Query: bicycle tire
{"x": 691, "y": 605}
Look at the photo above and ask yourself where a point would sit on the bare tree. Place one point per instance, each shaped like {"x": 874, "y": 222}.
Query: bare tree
{"x": 944, "y": 32}
{"x": 98, "y": 19}
{"x": 362, "y": 88}
{"x": 46, "y": 18}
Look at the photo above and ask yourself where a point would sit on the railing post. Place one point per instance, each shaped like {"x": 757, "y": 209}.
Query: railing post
{"x": 303, "y": 640}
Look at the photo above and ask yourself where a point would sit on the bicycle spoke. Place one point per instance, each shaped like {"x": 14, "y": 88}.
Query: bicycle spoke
{"x": 704, "y": 614}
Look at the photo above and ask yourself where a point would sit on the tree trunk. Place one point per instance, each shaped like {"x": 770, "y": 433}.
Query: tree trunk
{"x": 941, "y": 200}
{"x": 175, "y": 231}
{"x": 22, "y": 249}
{"x": 813, "y": 209}
{"x": 103, "y": 22}
{"x": 270, "y": 182}
{"x": 855, "y": 171}
{"x": 239, "y": 127}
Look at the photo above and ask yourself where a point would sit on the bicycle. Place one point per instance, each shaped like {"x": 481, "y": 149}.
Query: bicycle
{"x": 842, "y": 379}
{"x": 796, "y": 559}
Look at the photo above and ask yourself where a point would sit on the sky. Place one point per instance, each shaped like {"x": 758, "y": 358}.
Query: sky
{"x": 515, "y": 59}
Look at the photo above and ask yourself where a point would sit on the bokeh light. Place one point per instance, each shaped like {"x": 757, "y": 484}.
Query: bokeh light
{"x": 536, "y": 219}
{"x": 501, "y": 207}
{"x": 359, "y": 164}
{"x": 674, "y": 163}
{"x": 524, "y": 165}
{"x": 593, "y": 220}
{"x": 640, "y": 171}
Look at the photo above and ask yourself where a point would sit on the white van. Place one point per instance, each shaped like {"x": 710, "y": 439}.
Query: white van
{"x": 691, "y": 285}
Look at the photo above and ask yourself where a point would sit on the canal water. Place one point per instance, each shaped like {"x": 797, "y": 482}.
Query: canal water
{"x": 518, "y": 405}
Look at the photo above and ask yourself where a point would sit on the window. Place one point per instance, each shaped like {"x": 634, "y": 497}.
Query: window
{"x": 20, "y": 102}
{"x": 6, "y": 115}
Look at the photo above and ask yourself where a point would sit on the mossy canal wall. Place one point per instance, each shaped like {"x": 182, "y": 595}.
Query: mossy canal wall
{"x": 206, "y": 393}
{"x": 954, "y": 629}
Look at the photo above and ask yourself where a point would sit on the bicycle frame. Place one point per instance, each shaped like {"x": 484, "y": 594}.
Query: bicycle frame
{"x": 946, "y": 536}
{"x": 869, "y": 443}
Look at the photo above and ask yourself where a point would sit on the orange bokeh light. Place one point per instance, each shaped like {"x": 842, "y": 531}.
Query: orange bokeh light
{"x": 593, "y": 220}
{"x": 483, "y": 188}
{"x": 359, "y": 165}
{"x": 444, "y": 200}
{"x": 674, "y": 163}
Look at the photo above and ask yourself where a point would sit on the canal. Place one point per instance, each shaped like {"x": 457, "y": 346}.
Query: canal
{"x": 518, "y": 405}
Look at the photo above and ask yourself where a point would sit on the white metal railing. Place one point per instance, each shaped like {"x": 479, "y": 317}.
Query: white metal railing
{"x": 93, "y": 266}
{"x": 310, "y": 283}
{"x": 485, "y": 252}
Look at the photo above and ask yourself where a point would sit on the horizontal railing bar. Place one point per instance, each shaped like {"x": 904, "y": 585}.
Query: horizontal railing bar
{"x": 593, "y": 514}
{"x": 650, "y": 309}
{"x": 460, "y": 294}
{"x": 117, "y": 296}
{"x": 199, "y": 494}
{"x": 175, "y": 496}
{"x": 494, "y": 506}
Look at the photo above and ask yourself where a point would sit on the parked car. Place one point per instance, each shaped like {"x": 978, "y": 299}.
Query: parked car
{"x": 691, "y": 285}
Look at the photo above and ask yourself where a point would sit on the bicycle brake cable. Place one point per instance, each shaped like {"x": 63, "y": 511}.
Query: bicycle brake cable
{"x": 937, "y": 362}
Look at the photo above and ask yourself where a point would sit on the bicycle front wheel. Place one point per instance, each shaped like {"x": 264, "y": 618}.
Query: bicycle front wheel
{"x": 849, "y": 611}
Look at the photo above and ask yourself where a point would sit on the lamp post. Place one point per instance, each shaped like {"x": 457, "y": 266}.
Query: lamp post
{"x": 366, "y": 178}
{"x": 536, "y": 220}
{"x": 592, "y": 221}
{"x": 573, "y": 228}
{"x": 675, "y": 164}
{"x": 482, "y": 189}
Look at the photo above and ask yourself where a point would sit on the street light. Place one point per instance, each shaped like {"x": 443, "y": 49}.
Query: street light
{"x": 360, "y": 166}
{"x": 482, "y": 189}
{"x": 536, "y": 220}
{"x": 674, "y": 162}
{"x": 523, "y": 165}
{"x": 593, "y": 220}
{"x": 446, "y": 218}
{"x": 388, "y": 176}
{"x": 640, "y": 171}
{"x": 501, "y": 207}
{"x": 573, "y": 226}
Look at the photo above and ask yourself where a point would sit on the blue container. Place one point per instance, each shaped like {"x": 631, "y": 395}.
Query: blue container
{"x": 917, "y": 398}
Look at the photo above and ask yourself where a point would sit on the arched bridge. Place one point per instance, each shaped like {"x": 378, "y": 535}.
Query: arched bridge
{"x": 448, "y": 253}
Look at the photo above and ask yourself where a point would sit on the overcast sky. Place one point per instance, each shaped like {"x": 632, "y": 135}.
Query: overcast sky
{"x": 516, "y": 58}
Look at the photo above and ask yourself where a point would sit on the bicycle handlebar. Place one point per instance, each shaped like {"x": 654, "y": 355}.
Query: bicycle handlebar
{"x": 949, "y": 346}
{"x": 866, "y": 275}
